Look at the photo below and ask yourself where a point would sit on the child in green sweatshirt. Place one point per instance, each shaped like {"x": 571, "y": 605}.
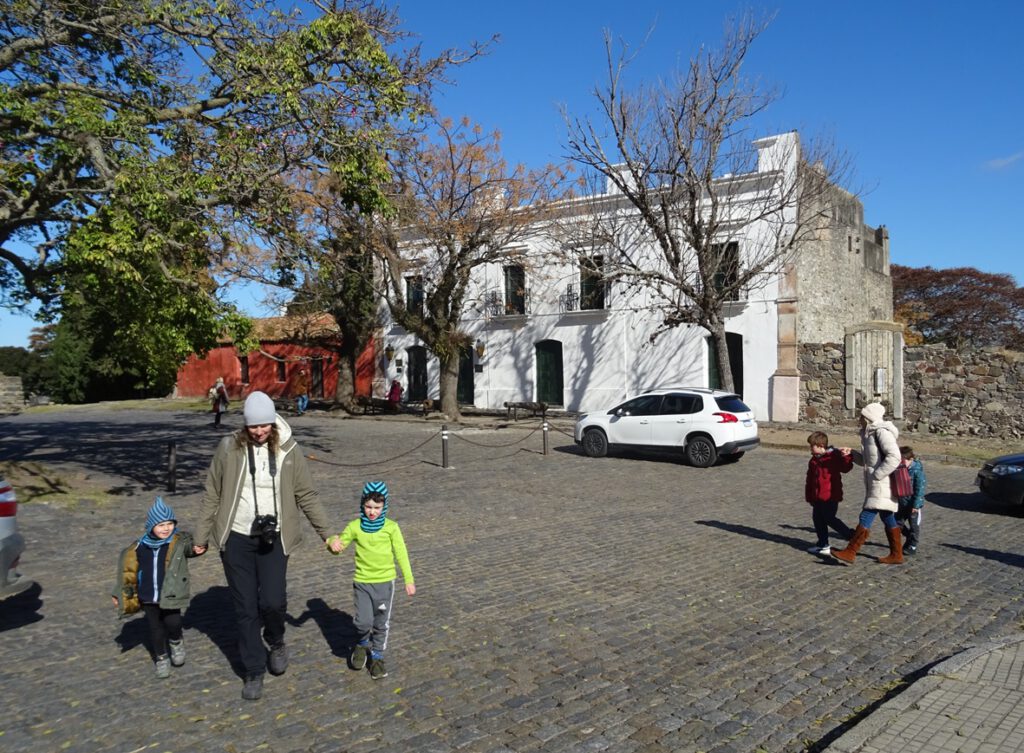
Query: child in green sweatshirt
{"x": 378, "y": 546}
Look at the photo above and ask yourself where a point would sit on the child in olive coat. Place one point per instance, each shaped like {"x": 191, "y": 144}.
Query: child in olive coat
{"x": 152, "y": 576}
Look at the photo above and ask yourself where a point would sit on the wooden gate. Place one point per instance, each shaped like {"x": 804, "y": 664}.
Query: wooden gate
{"x": 874, "y": 366}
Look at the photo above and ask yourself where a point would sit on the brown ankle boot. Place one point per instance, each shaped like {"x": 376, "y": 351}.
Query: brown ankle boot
{"x": 856, "y": 542}
{"x": 895, "y": 547}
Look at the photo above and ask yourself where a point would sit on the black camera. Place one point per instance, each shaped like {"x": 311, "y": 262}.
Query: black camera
{"x": 265, "y": 527}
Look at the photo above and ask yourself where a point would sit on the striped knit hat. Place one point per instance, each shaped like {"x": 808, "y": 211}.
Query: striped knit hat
{"x": 373, "y": 487}
{"x": 158, "y": 513}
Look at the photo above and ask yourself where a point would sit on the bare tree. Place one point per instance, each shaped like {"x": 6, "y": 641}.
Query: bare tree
{"x": 459, "y": 207}
{"x": 697, "y": 213}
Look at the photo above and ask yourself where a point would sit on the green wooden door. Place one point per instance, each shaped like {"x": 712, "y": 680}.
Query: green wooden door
{"x": 417, "y": 391}
{"x": 550, "y": 384}
{"x": 734, "y": 343}
{"x": 466, "y": 387}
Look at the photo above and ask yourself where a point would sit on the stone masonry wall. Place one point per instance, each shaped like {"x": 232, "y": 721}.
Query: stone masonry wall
{"x": 11, "y": 395}
{"x": 822, "y": 383}
{"x": 968, "y": 392}
{"x": 972, "y": 392}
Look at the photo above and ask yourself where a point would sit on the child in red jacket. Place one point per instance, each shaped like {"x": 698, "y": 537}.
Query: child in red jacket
{"x": 824, "y": 490}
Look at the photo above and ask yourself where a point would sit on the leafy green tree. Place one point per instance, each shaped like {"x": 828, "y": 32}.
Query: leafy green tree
{"x": 14, "y": 361}
{"x": 138, "y": 136}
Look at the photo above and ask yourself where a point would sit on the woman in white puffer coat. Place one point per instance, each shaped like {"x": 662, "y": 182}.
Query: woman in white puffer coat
{"x": 880, "y": 454}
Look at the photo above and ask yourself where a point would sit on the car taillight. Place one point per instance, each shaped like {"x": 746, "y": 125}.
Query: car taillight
{"x": 8, "y": 502}
{"x": 726, "y": 418}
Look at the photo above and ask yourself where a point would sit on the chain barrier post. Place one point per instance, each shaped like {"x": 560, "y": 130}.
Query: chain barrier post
{"x": 545, "y": 436}
{"x": 172, "y": 465}
{"x": 444, "y": 445}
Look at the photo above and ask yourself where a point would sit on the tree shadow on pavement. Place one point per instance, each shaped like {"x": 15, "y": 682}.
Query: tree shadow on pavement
{"x": 1005, "y": 558}
{"x": 213, "y": 614}
{"x": 972, "y": 502}
{"x": 336, "y": 626}
{"x": 21, "y": 609}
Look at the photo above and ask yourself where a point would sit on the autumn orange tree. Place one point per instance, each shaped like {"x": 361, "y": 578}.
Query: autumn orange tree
{"x": 960, "y": 307}
{"x": 458, "y": 206}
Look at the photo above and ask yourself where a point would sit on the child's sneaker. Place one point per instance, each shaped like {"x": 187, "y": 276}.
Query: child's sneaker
{"x": 825, "y": 551}
{"x": 909, "y": 550}
{"x": 358, "y": 657}
{"x": 377, "y": 669}
{"x": 177, "y": 652}
{"x": 163, "y": 667}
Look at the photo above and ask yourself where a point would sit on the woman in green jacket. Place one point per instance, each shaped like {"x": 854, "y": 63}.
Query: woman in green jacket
{"x": 257, "y": 484}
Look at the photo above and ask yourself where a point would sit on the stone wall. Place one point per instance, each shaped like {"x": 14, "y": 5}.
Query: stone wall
{"x": 11, "y": 395}
{"x": 968, "y": 392}
{"x": 972, "y": 392}
{"x": 822, "y": 383}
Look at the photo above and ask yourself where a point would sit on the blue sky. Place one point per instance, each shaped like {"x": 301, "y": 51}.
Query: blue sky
{"x": 928, "y": 98}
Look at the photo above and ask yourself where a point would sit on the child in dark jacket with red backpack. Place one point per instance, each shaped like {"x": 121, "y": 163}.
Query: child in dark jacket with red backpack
{"x": 824, "y": 490}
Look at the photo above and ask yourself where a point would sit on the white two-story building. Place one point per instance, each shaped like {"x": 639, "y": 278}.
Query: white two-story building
{"x": 550, "y": 329}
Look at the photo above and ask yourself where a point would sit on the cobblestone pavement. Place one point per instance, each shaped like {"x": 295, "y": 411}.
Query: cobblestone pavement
{"x": 563, "y": 603}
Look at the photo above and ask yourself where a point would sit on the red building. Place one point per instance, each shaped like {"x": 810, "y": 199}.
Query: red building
{"x": 287, "y": 344}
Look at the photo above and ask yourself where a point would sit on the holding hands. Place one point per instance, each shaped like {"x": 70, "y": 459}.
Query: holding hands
{"x": 335, "y": 545}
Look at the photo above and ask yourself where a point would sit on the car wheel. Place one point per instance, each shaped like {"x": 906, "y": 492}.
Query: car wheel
{"x": 701, "y": 452}
{"x": 595, "y": 444}
{"x": 731, "y": 458}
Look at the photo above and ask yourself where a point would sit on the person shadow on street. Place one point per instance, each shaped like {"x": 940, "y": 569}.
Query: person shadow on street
{"x": 336, "y": 625}
{"x": 133, "y": 633}
{"x": 213, "y": 614}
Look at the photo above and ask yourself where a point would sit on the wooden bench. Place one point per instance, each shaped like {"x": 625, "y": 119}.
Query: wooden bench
{"x": 512, "y": 409}
{"x": 375, "y": 405}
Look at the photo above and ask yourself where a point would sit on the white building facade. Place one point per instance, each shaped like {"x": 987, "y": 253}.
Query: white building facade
{"x": 549, "y": 328}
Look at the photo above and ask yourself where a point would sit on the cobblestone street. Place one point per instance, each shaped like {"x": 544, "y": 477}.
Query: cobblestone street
{"x": 563, "y": 603}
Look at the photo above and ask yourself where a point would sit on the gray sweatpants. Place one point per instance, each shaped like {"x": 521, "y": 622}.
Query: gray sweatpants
{"x": 373, "y": 612}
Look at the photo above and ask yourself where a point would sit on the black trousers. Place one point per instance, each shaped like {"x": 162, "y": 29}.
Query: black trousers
{"x": 164, "y": 625}
{"x": 256, "y": 576}
{"x": 824, "y": 515}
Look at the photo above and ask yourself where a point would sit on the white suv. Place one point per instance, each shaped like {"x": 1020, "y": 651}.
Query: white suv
{"x": 704, "y": 424}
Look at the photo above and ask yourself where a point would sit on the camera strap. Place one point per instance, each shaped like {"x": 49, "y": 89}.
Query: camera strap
{"x": 272, "y": 461}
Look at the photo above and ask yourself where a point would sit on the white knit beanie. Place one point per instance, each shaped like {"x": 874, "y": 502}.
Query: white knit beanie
{"x": 259, "y": 409}
{"x": 873, "y": 412}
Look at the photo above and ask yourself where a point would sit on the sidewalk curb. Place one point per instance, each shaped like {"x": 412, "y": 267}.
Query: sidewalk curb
{"x": 952, "y": 669}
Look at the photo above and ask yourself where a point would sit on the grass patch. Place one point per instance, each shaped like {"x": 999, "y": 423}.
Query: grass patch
{"x": 35, "y": 483}
{"x": 150, "y": 404}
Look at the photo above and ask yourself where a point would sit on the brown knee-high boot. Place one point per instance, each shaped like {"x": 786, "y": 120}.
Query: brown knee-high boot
{"x": 895, "y": 547}
{"x": 856, "y": 542}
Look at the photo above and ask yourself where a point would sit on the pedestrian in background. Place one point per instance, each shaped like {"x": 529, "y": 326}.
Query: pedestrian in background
{"x": 879, "y": 454}
{"x": 257, "y": 483}
{"x": 378, "y": 545}
{"x": 823, "y": 490}
{"x": 219, "y": 399}
{"x": 301, "y": 391}
{"x": 394, "y": 395}
{"x": 911, "y": 508}
{"x": 152, "y": 577}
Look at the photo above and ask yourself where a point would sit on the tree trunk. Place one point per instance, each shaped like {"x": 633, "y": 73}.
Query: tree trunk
{"x": 345, "y": 392}
{"x": 721, "y": 347}
{"x": 449, "y": 368}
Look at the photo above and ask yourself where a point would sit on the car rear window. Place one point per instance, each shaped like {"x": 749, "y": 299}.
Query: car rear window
{"x": 732, "y": 404}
